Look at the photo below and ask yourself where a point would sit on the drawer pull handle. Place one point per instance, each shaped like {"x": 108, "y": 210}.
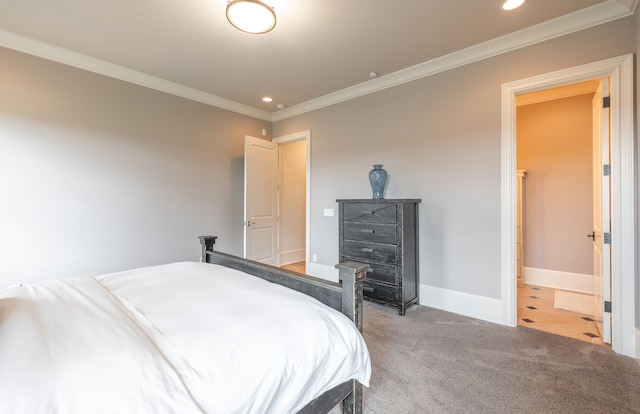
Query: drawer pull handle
{"x": 370, "y": 231}
{"x": 367, "y": 250}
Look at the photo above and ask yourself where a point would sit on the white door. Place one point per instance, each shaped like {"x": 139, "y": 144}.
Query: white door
{"x": 601, "y": 211}
{"x": 260, "y": 200}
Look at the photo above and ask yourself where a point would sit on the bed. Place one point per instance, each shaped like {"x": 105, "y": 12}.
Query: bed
{"x": 226, "y": 335}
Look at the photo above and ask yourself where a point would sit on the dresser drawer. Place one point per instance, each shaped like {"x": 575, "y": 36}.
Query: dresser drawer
{"x": 370, "y": 213}
{"x": 370, "y": 232}
{"x": 385, "y": 253}
{"x": 382, "y": 273}
{"x": 382, "y": 293}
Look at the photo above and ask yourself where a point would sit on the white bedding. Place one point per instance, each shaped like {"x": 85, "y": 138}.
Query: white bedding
{"x": 179, "y": 338}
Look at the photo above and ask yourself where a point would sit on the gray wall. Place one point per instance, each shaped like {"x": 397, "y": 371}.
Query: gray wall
{"x": 99, "y": 175}
{"x": 439, "y": 139}
{"x": 637, "y": 52}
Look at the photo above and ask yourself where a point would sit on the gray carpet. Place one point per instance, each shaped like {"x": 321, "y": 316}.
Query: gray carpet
{"x": 431, "y": 361}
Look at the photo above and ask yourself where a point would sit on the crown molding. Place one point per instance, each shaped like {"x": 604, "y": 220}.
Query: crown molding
{"x": 573, "y": 22}
{"x": 582, "y": 19}
{"x": 57, "y": 54}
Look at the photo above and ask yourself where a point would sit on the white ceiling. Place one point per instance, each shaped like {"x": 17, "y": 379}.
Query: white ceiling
{"x": 321, "y": 51}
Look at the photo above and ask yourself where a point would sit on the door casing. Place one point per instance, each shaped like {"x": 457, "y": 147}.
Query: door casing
{"x": 623, "y": 190}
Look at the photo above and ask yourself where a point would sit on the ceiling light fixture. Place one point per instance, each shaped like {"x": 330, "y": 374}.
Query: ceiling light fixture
{"x": 267, "y": 99}
{"x": 512, "y": 4}
{"x": 251, "y": 16}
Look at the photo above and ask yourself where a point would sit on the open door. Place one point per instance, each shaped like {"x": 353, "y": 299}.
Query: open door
{"x": 260, "y": 200}
{"x": 601, "y": 211}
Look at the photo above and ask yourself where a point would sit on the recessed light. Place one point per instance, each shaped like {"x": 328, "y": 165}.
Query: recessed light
{"x": 512, "y": 4}
{"x": 267, "y": 99}
{"x": 280, "y": 106}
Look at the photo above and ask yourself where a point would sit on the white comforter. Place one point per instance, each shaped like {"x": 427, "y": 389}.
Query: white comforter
{"x": 179, "y": 338}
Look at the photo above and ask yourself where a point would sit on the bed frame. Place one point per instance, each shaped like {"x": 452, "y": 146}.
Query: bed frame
{"x": 345, "y": 297}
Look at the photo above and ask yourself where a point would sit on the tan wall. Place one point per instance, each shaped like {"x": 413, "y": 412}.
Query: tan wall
{"x": 554, "y": 146}
{"x": 439, "y": 138}
{"x": 293, "y": 191}
{"x": 99, "y": 175}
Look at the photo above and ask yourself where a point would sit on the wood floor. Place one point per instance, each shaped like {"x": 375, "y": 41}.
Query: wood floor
{"x": 536, "y": 310}
{"x": 299, "y": 267}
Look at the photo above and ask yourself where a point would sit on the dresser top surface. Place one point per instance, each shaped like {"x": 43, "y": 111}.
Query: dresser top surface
{"x": 380, "y": 200}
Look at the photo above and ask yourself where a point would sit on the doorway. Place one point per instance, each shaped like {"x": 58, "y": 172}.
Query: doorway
{"x": 263, "y": 202}
{"x": 293, "y": 246}
{"x": 292, "y": 202}
{"x": 556, "y": 200}
{"x": 623, "y": 189}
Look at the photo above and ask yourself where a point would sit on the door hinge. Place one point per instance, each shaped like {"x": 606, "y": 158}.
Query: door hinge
{"x": 606, "y": 102}
{"x": 606, "y": 238}
{"x": 606, "y": 169}
{"x": 607, "y": 306}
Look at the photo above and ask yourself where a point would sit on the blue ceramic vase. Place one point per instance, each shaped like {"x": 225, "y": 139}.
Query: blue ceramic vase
{"x": 378, "y": 179}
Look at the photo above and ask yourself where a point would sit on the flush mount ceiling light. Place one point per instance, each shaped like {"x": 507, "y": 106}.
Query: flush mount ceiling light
{"x": 512, "y": 4}
{"x": 251, "y": 16}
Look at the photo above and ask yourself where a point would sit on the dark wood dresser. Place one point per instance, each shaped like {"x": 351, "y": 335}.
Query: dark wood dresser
{"x": 383, "y": 234}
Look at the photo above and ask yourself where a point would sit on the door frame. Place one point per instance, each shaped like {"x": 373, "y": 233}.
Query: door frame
{"x": 297, "y": 136}
{"x": 601, "y": 217}
{"x": 623, "y": 190}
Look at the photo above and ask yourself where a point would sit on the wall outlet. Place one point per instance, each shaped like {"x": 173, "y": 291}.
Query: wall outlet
{"x": 314, "y": 258}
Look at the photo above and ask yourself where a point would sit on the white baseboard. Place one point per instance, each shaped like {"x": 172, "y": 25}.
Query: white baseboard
{"x": 292, "y": 256}
{"x": 323, "y": 271}
{"x": 637, "y": 343}
{"x": 575, "y": 282}
{"x": 478, "y": 307}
